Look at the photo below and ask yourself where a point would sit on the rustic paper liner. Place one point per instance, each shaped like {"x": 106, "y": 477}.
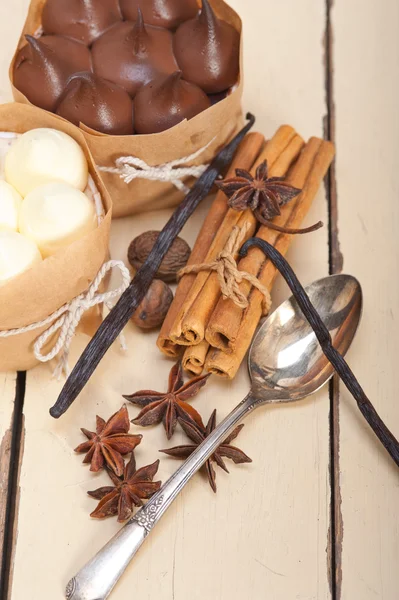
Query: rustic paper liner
{"x": 218, "y": 124}
{"x": 44, "y": 288}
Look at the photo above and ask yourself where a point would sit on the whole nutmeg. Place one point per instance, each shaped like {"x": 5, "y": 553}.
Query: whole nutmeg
{"x": 175, "y": 259}
{"x": 152, "y": 311}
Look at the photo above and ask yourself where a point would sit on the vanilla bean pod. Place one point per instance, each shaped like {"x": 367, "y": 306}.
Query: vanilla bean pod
{"x": 131, "y": 298}
{"x": 385, "y": 436}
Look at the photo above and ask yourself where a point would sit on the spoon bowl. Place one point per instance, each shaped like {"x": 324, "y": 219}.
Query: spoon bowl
{"x": 286, "y": 362}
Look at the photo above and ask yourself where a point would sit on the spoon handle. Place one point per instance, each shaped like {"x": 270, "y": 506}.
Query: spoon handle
{"x": 385, "y": 436}
{"x": 97, "y": 579}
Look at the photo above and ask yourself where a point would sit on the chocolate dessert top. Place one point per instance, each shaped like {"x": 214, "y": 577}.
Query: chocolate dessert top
{"x": 178, "y": 56}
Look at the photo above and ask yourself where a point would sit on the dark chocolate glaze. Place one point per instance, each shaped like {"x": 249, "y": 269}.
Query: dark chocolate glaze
{"x": 83, "y": 20}
{"x": 207, "y": 50}
{"x": 133, "y": 54}
{"x": 161, "y": 13}
{"x": 99, "y": 104}
{"x": 44, "y": 65}
{"x": 165, "y": 102}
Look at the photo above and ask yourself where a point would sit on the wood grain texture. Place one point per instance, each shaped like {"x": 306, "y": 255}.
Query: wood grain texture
{"x": 7, "y": 397}
{"x": 11, "y": 24}
{"x": 266, "y": 532}
{"x": 366, "y": 86}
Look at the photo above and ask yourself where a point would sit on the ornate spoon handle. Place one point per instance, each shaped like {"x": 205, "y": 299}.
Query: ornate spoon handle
{"x": 98, "y": 577}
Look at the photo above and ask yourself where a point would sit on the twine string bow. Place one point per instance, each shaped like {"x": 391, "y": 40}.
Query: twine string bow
{"x": 67, "y": 318}
{"x": 229, "y": 276}
{"x": 130, "y": 167}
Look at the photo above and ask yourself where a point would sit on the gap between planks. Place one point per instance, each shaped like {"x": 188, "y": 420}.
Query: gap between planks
{"x": 14, "y": 437}
{"x": 335, "y": 539}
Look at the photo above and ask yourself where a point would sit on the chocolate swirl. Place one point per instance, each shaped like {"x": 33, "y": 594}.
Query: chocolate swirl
{"x": 43, "y": 66}
{"x": 82, "y": 20}
{"x": 132, "y": 55}
{"x": 207, "y": 50}
{"x": 99, "y": 104}
{"x": 161, "y": 13}
{"x": 166, "y": 102}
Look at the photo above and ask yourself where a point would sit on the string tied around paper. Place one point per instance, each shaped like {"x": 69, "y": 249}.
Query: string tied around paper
{"x": 229, "y": 276}
{"x": 131, "y": 167}
{"x": 67, "y": 318}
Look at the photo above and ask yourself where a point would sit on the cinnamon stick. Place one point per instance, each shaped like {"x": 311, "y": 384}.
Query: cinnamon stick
{"x": 232, "y": 328}
{"x": 223, "y": 328}
{"x": 190, "y": 324}
{"x": 246, "y": 155}
{"x": 194, "y": 358}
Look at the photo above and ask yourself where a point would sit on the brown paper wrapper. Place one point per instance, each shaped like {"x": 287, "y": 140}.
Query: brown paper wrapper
{"x": 221, "y": 121}
{"x": 37, "y": 293}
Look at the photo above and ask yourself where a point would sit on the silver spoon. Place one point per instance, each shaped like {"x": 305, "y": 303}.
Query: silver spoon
{"x": 286, "y": 364}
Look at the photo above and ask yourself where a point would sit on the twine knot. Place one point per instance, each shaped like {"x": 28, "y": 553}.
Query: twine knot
{"x": 130, "y": 167}
{"x": 67, "y": 318}
{"x": 229, "y": 276}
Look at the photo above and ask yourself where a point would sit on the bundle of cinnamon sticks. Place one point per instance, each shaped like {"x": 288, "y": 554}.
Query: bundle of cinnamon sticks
{"x": 214, "y": 332}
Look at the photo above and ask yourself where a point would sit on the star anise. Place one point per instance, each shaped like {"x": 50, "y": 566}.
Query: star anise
{"x": 127, "y": 491}
{"x": 263, "y": 195}
{"x": 168, "y": 406}
{"x": 198, "y": 435}
{"x": 109, "y": 442}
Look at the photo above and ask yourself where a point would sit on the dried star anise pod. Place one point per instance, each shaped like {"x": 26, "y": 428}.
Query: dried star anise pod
{"x": 168, "y": 406}
{"x": 263, "y": 195}
{"x": 127, "y": 491}
{"x": 198, "y": 435}
{"x": 109, "y": 442}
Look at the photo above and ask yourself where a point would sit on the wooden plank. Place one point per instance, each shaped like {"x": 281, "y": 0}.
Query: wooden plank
{"x": 266, "y": 531}
{"x": 7, "y": 396}
{"x": 11, "y": 22}
{"x": 367, "y": 129}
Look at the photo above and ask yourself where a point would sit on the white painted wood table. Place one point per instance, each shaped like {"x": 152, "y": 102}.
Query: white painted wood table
{"x": 315, "y": 515}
